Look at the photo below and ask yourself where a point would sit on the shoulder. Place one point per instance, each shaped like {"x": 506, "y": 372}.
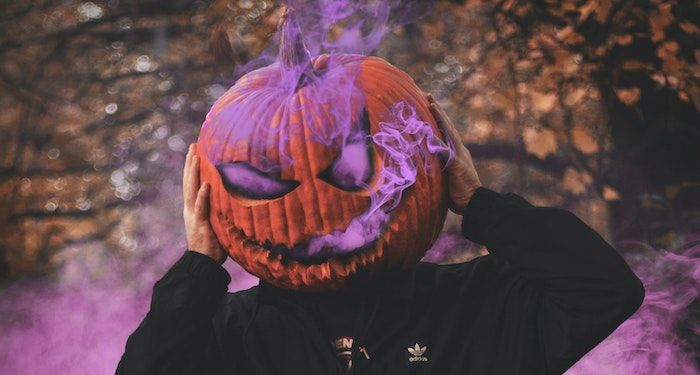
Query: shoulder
{"x": 477, "y": 267}
{"x": 237, "y": 306}
{"x": 242, "y": 300}
{"x": 485, "y": 274}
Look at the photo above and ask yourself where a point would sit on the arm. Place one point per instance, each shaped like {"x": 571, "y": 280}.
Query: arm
{"x": 584, "y": 288}
{"x": 177, "y": 336}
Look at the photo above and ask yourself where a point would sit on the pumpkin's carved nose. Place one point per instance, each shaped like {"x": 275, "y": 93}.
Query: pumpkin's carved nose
{"x": 353, "y": 168}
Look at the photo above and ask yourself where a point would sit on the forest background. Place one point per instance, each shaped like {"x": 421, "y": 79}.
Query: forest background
{"x": 589, "y": 105}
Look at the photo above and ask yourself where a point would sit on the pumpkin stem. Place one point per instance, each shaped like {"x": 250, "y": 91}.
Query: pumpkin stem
{"x": 293, "y": 54}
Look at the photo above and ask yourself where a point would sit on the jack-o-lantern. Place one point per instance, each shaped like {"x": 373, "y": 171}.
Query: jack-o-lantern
{"x": 305, "y": 176}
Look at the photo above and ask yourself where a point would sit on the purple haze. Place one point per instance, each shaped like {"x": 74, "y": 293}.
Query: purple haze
{"x": 353, "y": 168}
{"x": 364, "y": 25}
{"x": 400, "y": 140}
{"x": 662, "y": 337}
{"x": 76, "y": 321}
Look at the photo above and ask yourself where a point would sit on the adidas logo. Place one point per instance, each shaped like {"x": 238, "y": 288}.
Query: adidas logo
{"x": 417, "y": 351}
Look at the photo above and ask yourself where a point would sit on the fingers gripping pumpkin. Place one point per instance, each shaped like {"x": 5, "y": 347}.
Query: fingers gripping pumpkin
{"x": 322, "y": 168}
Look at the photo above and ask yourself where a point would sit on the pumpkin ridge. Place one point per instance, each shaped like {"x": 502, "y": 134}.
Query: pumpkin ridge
{"x": 322, "y": 190}
{"x": 313, "y": 165}
{"x": 348, "y": 207}
{"x": 278, "y": 228}
{"x": 306, "y": 192}
{"x": 293, "y": 208}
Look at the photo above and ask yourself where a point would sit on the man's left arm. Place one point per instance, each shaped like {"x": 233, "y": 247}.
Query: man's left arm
{"x": 586, "y": 290}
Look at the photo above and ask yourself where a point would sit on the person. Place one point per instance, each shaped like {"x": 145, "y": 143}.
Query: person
{"x": 549, "y": 290}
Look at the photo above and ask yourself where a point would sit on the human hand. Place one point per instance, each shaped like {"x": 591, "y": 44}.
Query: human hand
{"x": 200, "y": 236}
{"x": 462, "y": 179}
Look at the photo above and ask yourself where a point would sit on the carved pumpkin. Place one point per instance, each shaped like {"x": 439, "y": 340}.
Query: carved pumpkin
{"x": 292, "y": 166}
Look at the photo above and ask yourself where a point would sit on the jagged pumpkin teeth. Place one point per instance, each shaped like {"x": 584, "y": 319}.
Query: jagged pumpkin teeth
{"x": 325, "y": 271}
{"x": 364, "y": 259}
{"x": 307, "y": 160}
{"x": 394, "y": 226}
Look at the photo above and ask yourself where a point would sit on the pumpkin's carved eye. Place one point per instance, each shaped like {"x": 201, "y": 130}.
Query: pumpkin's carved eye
{"x": 243, "y": 179}
{"x": 352, "y": 169}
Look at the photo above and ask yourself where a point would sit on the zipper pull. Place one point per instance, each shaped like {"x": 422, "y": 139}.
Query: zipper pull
{"x": 363, "y": 350}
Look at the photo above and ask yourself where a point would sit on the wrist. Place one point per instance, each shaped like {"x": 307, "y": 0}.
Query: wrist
{"x": 204, "y": 267}
{"x": 460, "y": 206}
{"x": 217, "y": 255}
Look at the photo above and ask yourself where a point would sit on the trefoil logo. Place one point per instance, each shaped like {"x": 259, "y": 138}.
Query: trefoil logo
{"x": 417, "y": 351}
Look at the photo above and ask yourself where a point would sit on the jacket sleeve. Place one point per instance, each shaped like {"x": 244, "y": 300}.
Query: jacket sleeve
{"x": 585, "y": 290}
{"x": 177, "y": 336}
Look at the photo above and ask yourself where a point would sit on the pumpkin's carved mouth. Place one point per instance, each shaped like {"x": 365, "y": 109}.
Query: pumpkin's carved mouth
{"x": 298, "y": 253}
{"x": 360, "y": 235}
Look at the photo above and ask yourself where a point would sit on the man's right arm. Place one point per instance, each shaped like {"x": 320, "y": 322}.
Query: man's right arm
{"x": 177, "y": 336}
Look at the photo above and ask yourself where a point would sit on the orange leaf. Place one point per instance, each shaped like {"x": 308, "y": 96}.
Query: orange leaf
{"x": 689, "y": 27}
{"x": 659, "y": 21}
{"x": 543, "y": 101}
{"x": 624, "y": 40}
{"x": 540, "y": 142}
{"x": 602, "y": 10}
{"x": 569, "y": 36}
{"x": 610, "y": 194}
{"x": 583, "y": 140}
{"x": 576, "y": 181}
{"x": 659, "y": 78}
{"x": 673, "y": 65}
{"x": 635, "y": 65}
{"x": 573, "y": 98}
{"x": 586, "y": 10}
{"x": 629, "y": 96}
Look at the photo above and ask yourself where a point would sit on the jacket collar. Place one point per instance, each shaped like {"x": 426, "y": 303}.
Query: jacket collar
{"x": 395, "y": 285}
{"x": 384, "y": 301}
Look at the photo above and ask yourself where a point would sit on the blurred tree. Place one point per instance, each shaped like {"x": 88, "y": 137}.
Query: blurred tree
{"x": 100, "y": 100}
{"x": 642, "y": 56}
{"x": 600, "y": 96}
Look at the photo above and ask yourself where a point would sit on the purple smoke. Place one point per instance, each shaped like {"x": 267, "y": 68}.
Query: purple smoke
{"x": 76, "y": 321}
{"x": 344, "y": 26}
{"x": 662, "y": 337}
{"x": 399, "y": 169}
{"x": 364, "y": 23}
{"x": 399, "y": 140}
{"x": 268, "y": 107}
{"x": 352, "y": 169}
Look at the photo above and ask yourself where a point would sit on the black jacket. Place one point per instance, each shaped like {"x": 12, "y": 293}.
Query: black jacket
{"x": 548, "y": 292}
